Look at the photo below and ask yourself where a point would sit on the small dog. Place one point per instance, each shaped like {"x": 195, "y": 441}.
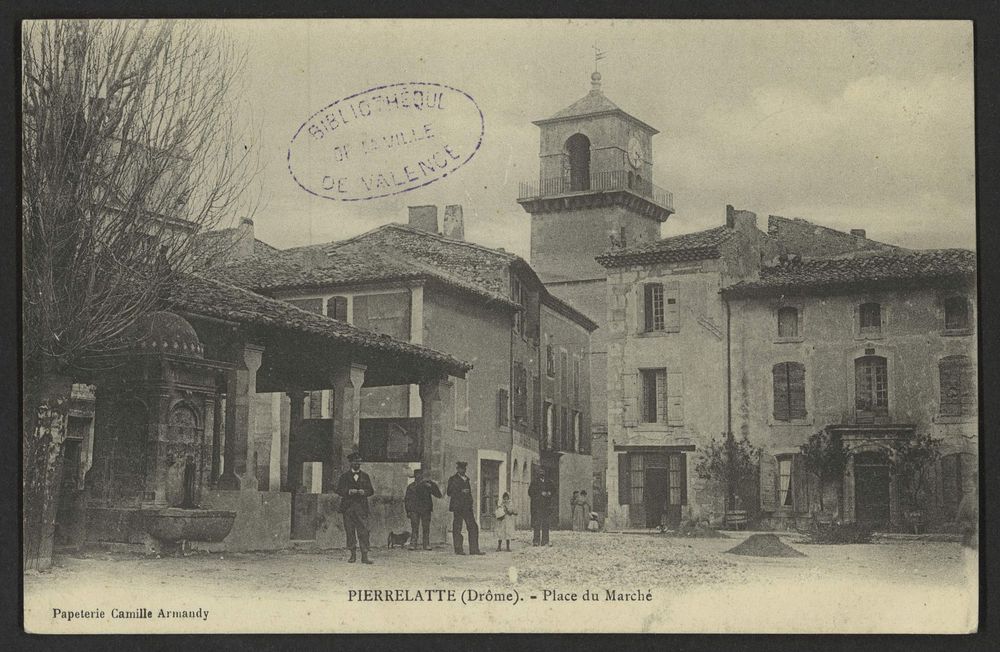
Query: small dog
{"x": 398, "y": 539}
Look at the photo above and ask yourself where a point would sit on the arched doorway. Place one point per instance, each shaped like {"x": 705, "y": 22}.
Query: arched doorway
{"x": 578, "y": 150}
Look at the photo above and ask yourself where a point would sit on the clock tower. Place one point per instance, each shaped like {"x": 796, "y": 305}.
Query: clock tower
{"x": 594, "y": 191}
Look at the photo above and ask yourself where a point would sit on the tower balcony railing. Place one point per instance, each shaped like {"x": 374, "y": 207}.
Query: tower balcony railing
{"x": 598, "y": 181}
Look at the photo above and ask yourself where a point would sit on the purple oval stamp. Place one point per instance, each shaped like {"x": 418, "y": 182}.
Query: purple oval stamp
{"x": 386, "y": 140}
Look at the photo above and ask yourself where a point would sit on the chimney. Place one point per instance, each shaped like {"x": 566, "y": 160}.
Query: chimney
{"x": 858, "y": 232}
{"x": 453, "y": 226}
{"x": 737, "y": 219}
{"x": 243, "y": 246}
{"x": 424, "y": 218}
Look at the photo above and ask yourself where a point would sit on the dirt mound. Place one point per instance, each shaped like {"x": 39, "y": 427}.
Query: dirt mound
{"x": 765, "y": 545}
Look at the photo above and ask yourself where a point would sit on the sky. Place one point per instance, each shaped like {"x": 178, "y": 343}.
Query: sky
{"x": 847, "y": 124}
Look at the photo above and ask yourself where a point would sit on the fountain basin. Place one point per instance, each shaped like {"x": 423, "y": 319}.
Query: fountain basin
{"x": 180, "y": 524}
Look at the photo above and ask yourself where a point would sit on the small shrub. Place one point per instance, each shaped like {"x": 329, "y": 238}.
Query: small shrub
{"x": 841, "y": 533}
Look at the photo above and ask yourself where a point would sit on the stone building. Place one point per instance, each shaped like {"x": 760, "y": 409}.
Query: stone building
{"x": 778, "y": 335}
{"x": 594, "y": 183}
{"x": 525, "y": 404}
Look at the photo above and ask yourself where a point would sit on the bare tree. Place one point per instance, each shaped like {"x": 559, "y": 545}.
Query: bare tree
{"x": 131, "y": 145}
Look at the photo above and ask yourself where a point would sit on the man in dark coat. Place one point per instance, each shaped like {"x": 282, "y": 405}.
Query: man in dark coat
{"x": 354, "y": 487}
{"x": 542, "y": 492}
{"x": 419, "y": 503}
{"x": 461, "y": 506}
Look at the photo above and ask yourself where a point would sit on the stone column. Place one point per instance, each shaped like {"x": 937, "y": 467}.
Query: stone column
{"x": 240, "y": 390}
{"x": 290, "y": 447}
{"x": 433, "y": 398}
{"x": 347, "y": 382}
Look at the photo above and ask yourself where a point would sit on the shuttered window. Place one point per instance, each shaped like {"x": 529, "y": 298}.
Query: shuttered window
{"x": 520, "y": 394}
{"x": 564, "y": 375}
{"x": 792, "y": 484}
{"x": 653, "y": 307}
{"x": 956, "y": 313}
{"x": 565, "y": 443}
{"x": 550, "y": 361}
{"x": 789, "y": 381}
{"x": 671, "y": 307}
{"x": 871, "y": 385}
{"x": 958, "y": 392}
{"x": 503, "y": 407}
{"x": 654, "y": 395}
{"x": 870, "y": 315}
{"x": 336, "y": 307}
{"x": 676, "y": 480}
{"x": 548, "y": 425}
{"x": 788, "y": 322}
{"x": 637, "y": 476}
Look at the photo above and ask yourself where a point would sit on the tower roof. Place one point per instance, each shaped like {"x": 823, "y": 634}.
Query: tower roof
{"x": 594, "y": 103}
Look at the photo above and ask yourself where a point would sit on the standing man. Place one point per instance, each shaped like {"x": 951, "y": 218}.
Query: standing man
{"x": 460, "y": 493}
{"x": 541, "y": 491}
{"x": 419, "y": 503}
{"x": 354, "y": 487}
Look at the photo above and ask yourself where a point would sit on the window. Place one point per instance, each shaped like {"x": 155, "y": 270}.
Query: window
{"x": 788, "y": 322}
{"x": 956, "y": 314}
{"x": 676, "y": 479}
{"x": 336, "y": 307}
{"x": 789, "y": 380}
{"x": 871, "y": 385}
{"x": 565, "y": 443}
{"x": 576, "y": 380}
{"x": 785, "y": 491}
{"x": 461, "y": 403}
{"x": 577, "y": 433}
{"x": 517, "y": 294}
{"x": 637, "y": 475}
{"x": 958, "y": 391}
{"x": 654, "y": 395}
{"x": 870, "y": 315}
{"x": 564, "y": 374}
{"x": 653, "y": 304}
{"x": 520, "y": 394}
{"x": 503, "y": 407}
{"x": 578, "y": 151}
{"x": 548, "y": 425}
{"x": 550, "y": 361}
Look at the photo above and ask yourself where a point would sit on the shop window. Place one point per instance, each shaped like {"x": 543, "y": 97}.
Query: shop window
{"x": 958, "y": 391}
{"x": 788, "y": 322}
{"x": 789, "y": 381}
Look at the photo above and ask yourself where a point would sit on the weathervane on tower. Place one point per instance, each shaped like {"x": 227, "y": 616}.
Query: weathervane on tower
{"x": 595, "y": 77}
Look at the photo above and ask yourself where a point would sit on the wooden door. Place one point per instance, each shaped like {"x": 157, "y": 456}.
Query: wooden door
{"x": 871, "y": 490}
{"x": 489, "y": 488}
{"x": 655, "y": 495}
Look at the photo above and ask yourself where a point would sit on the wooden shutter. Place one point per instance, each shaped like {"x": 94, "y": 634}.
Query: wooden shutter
{"x": 684, "y": 479}
{"x": 640, "y": 295}
{"x": 779, "y": 377}
{"x": 316, "y": 405}
{"x": 630, "y": 399}
{"x": 800, "y": 485}
{"x": 796, "y": 390}
{"x": 336, "y": 307}
{"x": 768, "y": 482}
{"x": 647, "y": 306}
{"x": 675, "y": 398}
{"x": 671, "y": 306}
{"x": 624, "y": 483}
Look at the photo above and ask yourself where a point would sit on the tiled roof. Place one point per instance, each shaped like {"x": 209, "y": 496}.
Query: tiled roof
{"x": 593, "y": 103}
{"x": 861, "y": 268}
{"x": 690, "y": 246}
{"x": 214, "y": 298}
{"x": 810, "y": 240}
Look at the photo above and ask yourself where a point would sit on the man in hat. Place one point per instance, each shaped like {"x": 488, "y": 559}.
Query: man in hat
{"x": 541, "y": 492}
{"x": 354, "y": 487}
{"x": 460, "y": 493}
{"x": 419, "y": 503}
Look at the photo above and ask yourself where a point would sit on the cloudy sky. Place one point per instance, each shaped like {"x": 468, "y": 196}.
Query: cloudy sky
{"x": 849, "y": 124}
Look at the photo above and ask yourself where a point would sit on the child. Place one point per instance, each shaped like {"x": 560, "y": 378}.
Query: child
{"x": 505, "y": 521}
{"x": 593, "y": 525}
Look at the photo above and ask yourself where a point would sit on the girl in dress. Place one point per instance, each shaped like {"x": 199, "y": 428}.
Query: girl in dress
{"x": 505, "y": 521}
{"x": 574, "y": 509}
{"x": 582, "y": 513}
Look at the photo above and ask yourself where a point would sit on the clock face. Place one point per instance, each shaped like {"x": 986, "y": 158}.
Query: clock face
{"x": 634, "y": 152}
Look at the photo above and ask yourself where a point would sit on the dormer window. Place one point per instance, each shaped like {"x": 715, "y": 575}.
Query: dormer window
{"x": 788, "y": 322}
{"x": 956, "y": 314}
{"x": 870, "y": 315}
